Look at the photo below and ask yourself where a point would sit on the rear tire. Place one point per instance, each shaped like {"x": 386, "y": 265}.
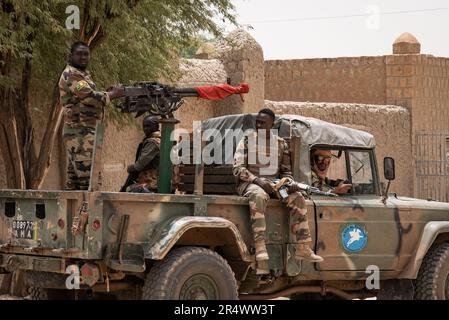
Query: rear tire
{"x": 41, "y": 286}
{"x": 190, "y": 273}
{"x": 36, "y": 293}
{"x": 432, "y": 282}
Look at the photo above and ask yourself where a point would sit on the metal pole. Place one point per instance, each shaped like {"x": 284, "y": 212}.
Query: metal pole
{"x": 165, "y": 164}
{"x": 95, "y": 180}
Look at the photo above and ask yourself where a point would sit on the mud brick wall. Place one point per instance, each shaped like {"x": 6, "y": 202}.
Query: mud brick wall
{"x": 242, "y": 58}
{"x": 351, "y": 80}
{"x": 197, "y": 72}
{"x": 421, "y": 83}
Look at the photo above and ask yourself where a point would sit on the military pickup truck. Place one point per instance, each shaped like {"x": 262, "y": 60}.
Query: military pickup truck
{"x": 197, "y": 244}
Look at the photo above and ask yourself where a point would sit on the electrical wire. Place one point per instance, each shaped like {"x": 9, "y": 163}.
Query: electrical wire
{"x": 347, "y": 16}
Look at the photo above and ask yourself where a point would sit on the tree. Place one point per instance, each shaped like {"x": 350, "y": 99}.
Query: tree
{"x": 130, "y": 41}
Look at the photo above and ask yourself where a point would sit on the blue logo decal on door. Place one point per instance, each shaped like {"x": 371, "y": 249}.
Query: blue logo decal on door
{"x": 354, "y": 238}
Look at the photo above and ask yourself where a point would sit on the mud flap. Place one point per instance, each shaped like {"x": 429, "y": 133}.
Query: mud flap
{"x": 292, "y": 266}
{"x": 132, "y": 259}
{"x": 5, "y": 282}
{"x": 275, "y": 262}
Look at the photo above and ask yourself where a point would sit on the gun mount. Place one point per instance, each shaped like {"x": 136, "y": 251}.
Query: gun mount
{"x": 155, "y": 98}
{"x": 163, "y": 100}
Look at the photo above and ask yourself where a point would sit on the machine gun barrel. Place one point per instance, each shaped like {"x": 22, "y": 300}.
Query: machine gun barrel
{"x": 155, "y": 98}
{"x": 156, "y": 89}
{"x": 186, "y": 92}
{"x": 162, "y": 100}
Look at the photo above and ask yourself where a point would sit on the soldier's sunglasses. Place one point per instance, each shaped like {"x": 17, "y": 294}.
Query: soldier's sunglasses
{"x": 322, "y": 158}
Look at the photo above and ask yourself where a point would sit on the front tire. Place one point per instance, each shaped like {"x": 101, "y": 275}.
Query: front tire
{"x": 190, "y": 273}
{"x": 432, "y": 282}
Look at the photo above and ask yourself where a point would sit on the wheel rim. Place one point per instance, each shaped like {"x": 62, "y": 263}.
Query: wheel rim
{"x": 199, "y": 287}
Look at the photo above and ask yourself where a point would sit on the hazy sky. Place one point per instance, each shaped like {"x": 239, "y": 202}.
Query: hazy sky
{"x": 334, "y": 28}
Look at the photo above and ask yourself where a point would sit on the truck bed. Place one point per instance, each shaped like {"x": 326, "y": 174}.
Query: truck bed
{"x": 40, "y": 222}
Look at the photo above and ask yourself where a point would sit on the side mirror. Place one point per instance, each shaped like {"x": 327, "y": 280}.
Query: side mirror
{"x": 389, "y": 168}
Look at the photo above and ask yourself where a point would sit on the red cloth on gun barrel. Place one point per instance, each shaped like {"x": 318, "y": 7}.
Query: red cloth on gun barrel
{"x": 221, "y": 91}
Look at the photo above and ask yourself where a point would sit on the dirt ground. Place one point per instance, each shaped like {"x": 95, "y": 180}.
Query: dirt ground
{"x": 8, "y": 297}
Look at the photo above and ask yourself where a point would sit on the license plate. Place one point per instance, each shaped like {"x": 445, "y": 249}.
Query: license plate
{"x": 24, "y": 229}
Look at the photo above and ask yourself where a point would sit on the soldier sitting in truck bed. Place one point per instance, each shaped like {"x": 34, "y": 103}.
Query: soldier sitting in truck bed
{"x": 255, "y": 185}
{"x": 144, "y": 171}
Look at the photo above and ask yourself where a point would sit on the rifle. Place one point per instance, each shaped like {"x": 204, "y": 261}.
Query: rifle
{"x": 133, "y": 176}
{"x": 131, "y": 179}
{"x": 282, "y": 187}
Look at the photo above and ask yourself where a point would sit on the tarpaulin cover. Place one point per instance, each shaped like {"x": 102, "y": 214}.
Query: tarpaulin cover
{"x": 312, "y": 132}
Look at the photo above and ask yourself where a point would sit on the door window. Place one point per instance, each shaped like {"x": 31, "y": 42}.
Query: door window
{"x": 361, "y": 173}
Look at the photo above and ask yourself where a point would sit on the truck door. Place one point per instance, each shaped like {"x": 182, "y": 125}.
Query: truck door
{"x": 357, "y": 229}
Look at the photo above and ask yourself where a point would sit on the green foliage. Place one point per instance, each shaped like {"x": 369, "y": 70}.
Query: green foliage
{"x": 138, "y": 40}
{"x": 25, "y": 28}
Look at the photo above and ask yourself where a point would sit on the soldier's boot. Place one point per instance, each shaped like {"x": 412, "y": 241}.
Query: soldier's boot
{"x": 303, "y": 252}
{"x": 262, "y": 267}
{"x": 261, "y": 257}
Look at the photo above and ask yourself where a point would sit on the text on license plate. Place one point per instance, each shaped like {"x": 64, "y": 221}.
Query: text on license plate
{"x": 24, "y": 229}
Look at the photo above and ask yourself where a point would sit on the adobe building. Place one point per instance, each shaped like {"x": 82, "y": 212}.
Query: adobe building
{"x": 417, "y": 82}
{"x": 402, "y": 99}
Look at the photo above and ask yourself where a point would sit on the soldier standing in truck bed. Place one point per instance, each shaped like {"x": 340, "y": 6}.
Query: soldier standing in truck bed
{"x": 82, "y": 106}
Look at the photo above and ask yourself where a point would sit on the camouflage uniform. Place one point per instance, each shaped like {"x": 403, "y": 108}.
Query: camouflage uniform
{"x": 246, "y": 173}
{"x": 322, "y": 184}
{"x": 147, "y": 163}
{"x": 83, "y": 107}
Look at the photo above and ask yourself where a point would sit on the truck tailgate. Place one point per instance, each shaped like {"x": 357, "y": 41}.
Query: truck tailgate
{"x": 40, "y": 222}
